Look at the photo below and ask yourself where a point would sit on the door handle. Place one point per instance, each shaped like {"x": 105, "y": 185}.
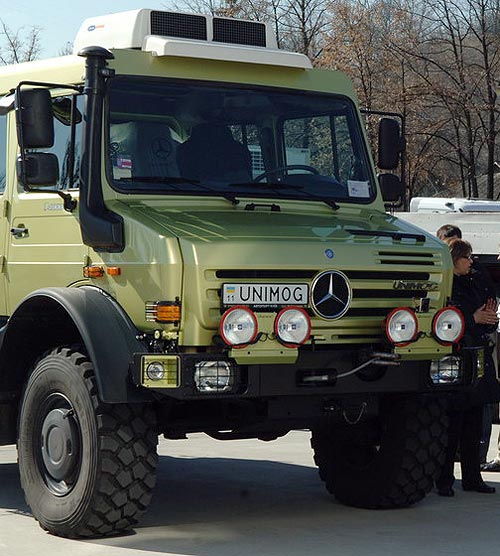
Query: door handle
{"x": 19, "y": 232}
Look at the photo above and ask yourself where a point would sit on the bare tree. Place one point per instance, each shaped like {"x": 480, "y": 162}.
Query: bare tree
{"x": 21, "y": 45}
{"x": 455, "y": 59}
{"x": 66, "y": 49}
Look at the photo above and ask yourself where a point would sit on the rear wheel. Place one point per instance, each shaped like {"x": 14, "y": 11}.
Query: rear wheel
{"x": 391, "y": 465}
{"x": 87, "y": 468}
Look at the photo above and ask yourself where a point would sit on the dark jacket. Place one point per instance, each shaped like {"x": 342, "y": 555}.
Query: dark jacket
{"x": 469, "y": 293}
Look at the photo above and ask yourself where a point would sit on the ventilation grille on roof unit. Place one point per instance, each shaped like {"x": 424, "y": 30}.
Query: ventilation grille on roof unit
{"x": 239, "y": 32}
{"x": 185, "y": 26}
{"x": 190, "y": 26}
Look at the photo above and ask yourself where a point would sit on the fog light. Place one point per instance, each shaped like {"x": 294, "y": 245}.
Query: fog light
{"x": 160, "y": 371}
{"x": 447, "y": 370}
{"x": 401, "y": 326}
{"x": 214, "y": 376}
{"x": 238, "y": 326}
{"x": 448, "y": 325}
{"x": 292, "y": 326}
{"x": 155, "y": 371}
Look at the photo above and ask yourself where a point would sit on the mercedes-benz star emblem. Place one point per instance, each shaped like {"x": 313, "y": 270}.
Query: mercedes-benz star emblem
{"x": 330, "y": 294}
{"x": 161, "y": 147}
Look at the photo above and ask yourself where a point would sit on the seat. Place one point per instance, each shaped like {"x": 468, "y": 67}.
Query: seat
{"x": 148, "y": 148}
{"x": 211, "y": 154}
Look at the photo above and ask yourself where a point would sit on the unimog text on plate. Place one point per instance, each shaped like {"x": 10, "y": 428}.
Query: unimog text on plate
{"x": 193, "y": 239}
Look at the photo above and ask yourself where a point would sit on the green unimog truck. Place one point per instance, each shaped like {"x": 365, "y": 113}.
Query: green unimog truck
{"x": 193, "y": 239}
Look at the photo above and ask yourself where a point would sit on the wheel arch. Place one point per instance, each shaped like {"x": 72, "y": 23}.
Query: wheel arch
{"x": 51, "y": 317}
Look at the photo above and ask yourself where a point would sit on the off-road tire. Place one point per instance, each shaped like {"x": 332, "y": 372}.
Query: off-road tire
{"x": 87, "y": 468}
{"x": 394, "y": 467}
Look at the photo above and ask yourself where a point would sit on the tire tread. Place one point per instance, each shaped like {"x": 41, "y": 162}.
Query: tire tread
{"x": 126, "y": 461}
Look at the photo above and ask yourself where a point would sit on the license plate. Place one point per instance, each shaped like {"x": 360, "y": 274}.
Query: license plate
{"x": 265, "y": 294}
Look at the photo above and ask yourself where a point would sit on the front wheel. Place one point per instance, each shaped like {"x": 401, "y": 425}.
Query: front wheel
{"x": 87, "y": 468}
{"x": 390, "y": 465}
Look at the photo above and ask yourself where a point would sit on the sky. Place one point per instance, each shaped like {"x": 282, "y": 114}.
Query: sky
{"x": 60, "y": 20}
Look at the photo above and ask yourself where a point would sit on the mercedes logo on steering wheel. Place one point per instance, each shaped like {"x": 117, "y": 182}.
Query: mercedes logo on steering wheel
{"x": 161, "y": 147}
{"x": 331, "y": 294}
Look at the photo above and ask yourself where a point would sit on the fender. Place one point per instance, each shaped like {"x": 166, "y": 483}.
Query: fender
{"x": 51, "y": 317}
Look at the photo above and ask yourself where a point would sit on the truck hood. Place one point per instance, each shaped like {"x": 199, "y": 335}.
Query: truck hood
{"x": 378, "y": 254}
{"x": 345, "y": 226}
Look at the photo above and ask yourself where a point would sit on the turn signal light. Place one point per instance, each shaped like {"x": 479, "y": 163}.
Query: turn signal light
{"x": 93, "y": 271}
{"x": 114, "y": 270}
{"x": 163, "y": 311}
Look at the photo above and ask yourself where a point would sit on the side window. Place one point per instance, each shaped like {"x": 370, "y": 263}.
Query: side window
{"x": 68, "y": 163}
{"x": 3, "y": 152}
{"x": 325, "y": 143}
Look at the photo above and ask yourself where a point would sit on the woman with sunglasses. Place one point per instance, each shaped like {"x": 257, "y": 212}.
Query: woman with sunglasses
{"x": 480, "y": 314}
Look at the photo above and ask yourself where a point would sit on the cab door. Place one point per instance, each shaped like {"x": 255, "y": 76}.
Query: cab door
{"x": 45, "y": 247}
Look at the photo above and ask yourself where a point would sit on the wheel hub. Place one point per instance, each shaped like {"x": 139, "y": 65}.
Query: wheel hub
{"x": 60, "y": 444}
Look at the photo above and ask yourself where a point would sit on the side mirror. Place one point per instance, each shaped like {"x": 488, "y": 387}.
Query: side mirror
{"x": 34, "y": 118}
{"x": 40, "y": 169}
{"x": 390, "y": 144}
{"x": 392, "y": 189}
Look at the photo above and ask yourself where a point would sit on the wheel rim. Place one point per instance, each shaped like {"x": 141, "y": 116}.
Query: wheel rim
{"x": 59, "y": 445}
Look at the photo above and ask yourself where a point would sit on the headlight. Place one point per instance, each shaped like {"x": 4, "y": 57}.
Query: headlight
{"x": 238, "y": 326}
{"x": 214, "y": 376}
{"x": 292, "y": 326}
{"x": 448, "y": 325}
{"x": 401, "y": 326}
{"x": 447, "y": 370}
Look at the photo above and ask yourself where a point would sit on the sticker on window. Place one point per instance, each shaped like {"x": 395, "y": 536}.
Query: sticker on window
{"x": 122, "y": 167}
{"x": 358, "y": 188}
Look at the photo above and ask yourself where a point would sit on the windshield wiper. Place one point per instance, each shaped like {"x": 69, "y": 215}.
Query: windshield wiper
{"x": 170, "y": 180}
{"x": 280, "y": 185}
{"x": 174, "y": 180}
{"x": 266, "y": 185}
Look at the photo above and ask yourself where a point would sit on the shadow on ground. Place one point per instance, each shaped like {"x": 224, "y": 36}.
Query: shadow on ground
{"x": 11, "y": 494}
{"x": 216, "y": 506}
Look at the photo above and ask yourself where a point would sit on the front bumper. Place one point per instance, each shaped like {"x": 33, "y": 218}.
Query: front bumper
{"x": 318, "y": 373}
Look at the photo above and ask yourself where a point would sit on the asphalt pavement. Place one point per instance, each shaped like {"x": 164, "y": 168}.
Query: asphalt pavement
{"x": 252, "y": 498}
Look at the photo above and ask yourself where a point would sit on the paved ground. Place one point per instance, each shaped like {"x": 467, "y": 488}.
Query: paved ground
{"x": 249, "y": 498}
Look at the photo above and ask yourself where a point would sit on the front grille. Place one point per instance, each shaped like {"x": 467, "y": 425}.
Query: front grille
{"x": 395, "y": 280}
{"x": 376, "y": 292}
{"x": 183, "y": 26}
{"x": 264, "y": 274}
{"x": 387, "y": 275}
{"x": 232, "y": 31}
{"x": 408, "y": 258}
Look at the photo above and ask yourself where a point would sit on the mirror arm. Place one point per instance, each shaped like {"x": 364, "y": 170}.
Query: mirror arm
{"x": 69, "y": 203}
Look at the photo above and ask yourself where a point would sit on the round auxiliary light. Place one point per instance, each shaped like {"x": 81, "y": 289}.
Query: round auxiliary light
{"x": 401, "y": 326}
{"x": 155, "y": 370}
{"x": 448, "y": 325}
{"x": 238, "y": 326}
{"x": 292, "y": 326}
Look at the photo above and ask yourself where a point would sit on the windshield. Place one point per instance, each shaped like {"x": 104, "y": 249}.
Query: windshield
{"x": 183, "y": 137}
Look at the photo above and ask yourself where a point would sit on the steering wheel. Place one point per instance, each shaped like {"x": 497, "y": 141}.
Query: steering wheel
{"x": 305, "y": 167}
